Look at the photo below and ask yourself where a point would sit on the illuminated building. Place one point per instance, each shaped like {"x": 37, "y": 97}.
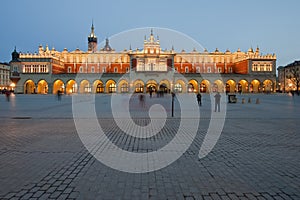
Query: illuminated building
{"x": 289, "y": 77}
{"x": 4, "y": 76}
{"x": 50, "y": 70}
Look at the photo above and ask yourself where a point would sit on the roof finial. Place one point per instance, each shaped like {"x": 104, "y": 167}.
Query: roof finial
{"x": 151, "y": 31}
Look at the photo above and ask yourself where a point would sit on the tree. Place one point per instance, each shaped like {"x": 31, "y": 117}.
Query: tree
{"x": 294, "y": 76}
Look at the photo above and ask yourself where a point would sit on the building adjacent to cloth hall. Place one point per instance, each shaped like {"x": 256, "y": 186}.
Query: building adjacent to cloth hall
{"x": 289, "y": 77}
{"x": 5, "y": 82}
{"x": 105, "y": 70}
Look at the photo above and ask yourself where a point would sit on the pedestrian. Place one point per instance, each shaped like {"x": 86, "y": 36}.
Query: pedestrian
{"x": 217, "y": 102}
{"x": 150, "y": 92}
{"x": 58, "y": 95}
{"x": 142, "y": 100}
{"x": 199, "y": 99}
{"x": 7, "y": 94}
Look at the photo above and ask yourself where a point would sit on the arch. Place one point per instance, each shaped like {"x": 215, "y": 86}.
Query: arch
{"x": 42, "y": 87}
{"x": 85, "y": 87}
{"x": 193, "y": 86}
{"x": 179, "y": 86}
{"x": 243, "y": 86}
{"x": 267, "y": 86}
{"x": 58, "y": 85}
{"x": 29, "y": 87}
{"x": 98, "y": 87}
{"x": 255, "y": 86}
{"x": 123, "y": 86}
{"x": 138, "y": 86}
{"x": 230, "y": 86}
{"x": 71, "y": 87}
{"x": 111, "y": 86}
{"x": 151, "y": 85}
{"x": 205, "y": 86}
{"x": 164, "y": 86}
{"x": 218, "y": 86}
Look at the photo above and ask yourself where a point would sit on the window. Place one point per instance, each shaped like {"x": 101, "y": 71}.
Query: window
{"x": 93, "y": 69}
{"x": 103, "y": 69}
{"x": 178, "y": 88}
{"x": 230, "y": 69}
{"x": 208, "y": 70}
{"x": 124, "y": 88}
{"x": 186, "y": 69}
{"x": 116, "y": 70}
{"x": 219, "y": 70}
{"x": 69, "y": 69}
{"x": 80, "y": 69}
{"x": 112, "y": 88}
{"x": 197, "y": 69}
{"x": 127, "y": 69}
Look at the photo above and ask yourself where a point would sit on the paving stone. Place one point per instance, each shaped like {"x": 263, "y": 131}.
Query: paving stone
{"x": 255, "y": 157}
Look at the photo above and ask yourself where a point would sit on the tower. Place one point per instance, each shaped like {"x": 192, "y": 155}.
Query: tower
{"x": 92, "y": 40}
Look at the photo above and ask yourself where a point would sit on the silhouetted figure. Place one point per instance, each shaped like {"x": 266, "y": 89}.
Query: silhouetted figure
{"x": 58, "y": 95}
{"x": 150, "y": 92}
{"x": 142, "y": 100}
{"x": 199, "y": 99}
{"x": 217, "y": 102}
{"x": 7, "y": 94}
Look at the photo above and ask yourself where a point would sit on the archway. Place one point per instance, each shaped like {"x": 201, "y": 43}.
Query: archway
{"x": 71, "y": 87}
{"x": 58, "y": 85}
{"x": 111, "y": 86}
{"x": 218, "y": 86}
{"x": 138, "y": 86}
{"x": 151, "y": 86}
{"x": 98, "y": 87}
{"x": 230, "y": 86}
{"x": 242, "y": 86}
{"x": 29, "y": 87}
{"x": 42, "y": 87}
{"x": 193, "y": 86}
{"x": 204, "y": 86}
{"x": 164, "y": 86}
{"x": 85, "y": 87}
{"x": 267, "y": 86}
{"x": 255, "y": 86}
{"x": 123, "y": 86}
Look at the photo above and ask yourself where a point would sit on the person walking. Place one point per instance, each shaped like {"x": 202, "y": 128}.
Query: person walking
{"x": 217, "y": 102}
{"x": 199, "y": 99}
{"x": 7, "y": 94}
{"x": 58, "y": 95}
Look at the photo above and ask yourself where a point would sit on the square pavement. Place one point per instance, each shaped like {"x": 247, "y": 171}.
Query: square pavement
{"x": 256, "y": 156}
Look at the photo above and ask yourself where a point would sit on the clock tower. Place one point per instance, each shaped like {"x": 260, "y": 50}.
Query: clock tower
{"x": 92, "y": 40}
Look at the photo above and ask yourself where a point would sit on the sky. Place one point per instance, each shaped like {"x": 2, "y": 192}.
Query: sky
{"x": 273, "y": 26}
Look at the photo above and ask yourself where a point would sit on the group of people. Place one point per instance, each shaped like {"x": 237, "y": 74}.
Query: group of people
{"x": 217, "y": 101}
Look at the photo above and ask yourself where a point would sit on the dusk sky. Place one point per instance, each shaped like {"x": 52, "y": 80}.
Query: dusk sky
{"x": 273, "y": 26}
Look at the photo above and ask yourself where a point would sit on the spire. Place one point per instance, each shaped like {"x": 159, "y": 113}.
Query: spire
{"x": 92, "y": 34}
{"x": 151, "y": 31}
{"x": 92, "y": 39}
{"x": 107, "y": 46}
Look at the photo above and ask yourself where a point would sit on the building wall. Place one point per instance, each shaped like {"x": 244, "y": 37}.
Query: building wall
{"x": 4, "y": 76}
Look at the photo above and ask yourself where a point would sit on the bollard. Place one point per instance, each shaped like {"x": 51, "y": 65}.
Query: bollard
{"x": 243, "y": 100}
{"x": 249, "y": 100}
{"x": 257, "y": 101}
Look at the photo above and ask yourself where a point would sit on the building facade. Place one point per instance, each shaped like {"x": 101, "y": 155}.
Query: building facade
{"x": 4, "y": 76}
{"x": 289, "y": 77}
{"x": 105, "y": 70}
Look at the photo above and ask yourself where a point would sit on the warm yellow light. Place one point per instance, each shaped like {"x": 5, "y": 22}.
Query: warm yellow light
{"x": 12, "y": 85}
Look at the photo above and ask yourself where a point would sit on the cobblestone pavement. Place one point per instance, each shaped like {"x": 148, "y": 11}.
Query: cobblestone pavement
{"x": 256, "y": 157}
